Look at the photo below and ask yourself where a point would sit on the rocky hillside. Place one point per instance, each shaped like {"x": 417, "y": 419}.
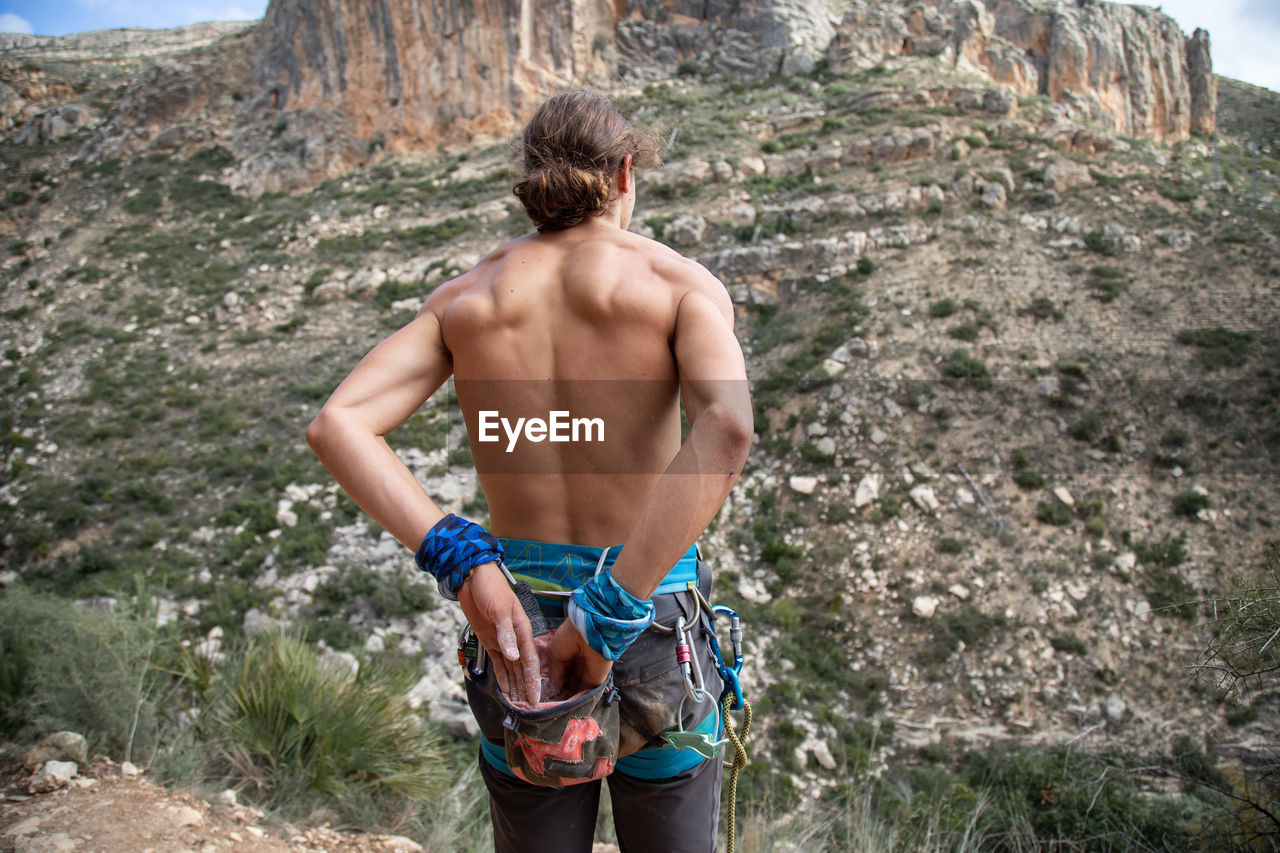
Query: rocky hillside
{"x": 323, "y": 87}
{"x": 1014, "y": 360}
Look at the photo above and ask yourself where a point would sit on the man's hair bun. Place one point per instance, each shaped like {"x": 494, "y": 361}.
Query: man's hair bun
{"x": 574, "y": 145}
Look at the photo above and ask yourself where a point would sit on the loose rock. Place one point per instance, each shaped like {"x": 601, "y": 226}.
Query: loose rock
{"x": 54, "y": 775}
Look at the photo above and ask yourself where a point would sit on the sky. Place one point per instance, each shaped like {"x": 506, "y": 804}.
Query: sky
{"x": 1243, "y": 33}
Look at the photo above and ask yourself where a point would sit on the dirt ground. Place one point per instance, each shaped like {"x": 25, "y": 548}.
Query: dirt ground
{"x": 104, "y": 811}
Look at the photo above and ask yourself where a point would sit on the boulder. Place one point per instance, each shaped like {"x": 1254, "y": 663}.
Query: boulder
{"x": 684, "y": 174}
{"x": 924, "y": 606}
{"x": 1063, "y": 175}
{"x": 993, "y": 195}
{"x": 53, "y": 124}
{"x": 803, "y": 485}
{"x": 868, "y": 490}
{"x": 688, "y": 229}
{"x": 52, "y": 776}
{"x": 924, "y": 497}
{"x": 60, "y": 746}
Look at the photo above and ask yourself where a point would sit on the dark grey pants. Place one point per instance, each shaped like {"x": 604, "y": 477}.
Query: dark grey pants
{"x": 676, "y": 815}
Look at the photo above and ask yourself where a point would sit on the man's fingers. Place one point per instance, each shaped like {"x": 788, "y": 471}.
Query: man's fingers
{"x": 507, "y": 639}
{"x": 528, "y": 653}
{"x": 500, "y": 673}
{"x": 556, "y": 660}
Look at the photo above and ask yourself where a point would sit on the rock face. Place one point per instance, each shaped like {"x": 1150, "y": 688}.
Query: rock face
{"x": 1127, "y": 67}
{"x": 322, "y": 86}
{"x": 118, "y": 43}
{"x": 410, "y": 70}
{"x": 735, "y": 36}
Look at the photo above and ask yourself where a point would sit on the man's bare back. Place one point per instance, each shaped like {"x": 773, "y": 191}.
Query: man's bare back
{"x": 586, "y": 319}
{"x": 582, "y": 322}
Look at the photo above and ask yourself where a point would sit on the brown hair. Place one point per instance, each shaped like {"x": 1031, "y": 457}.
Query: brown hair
{"x": 573, "y": 147}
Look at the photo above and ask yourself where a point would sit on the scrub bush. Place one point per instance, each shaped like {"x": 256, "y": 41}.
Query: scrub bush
{"x": 68, "y": 667}
{"x": 298, "y": 733}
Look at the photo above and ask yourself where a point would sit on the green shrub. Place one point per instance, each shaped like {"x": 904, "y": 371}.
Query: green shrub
{"x": 1107, "y": 282}
{"x": 296, "y": 733}
{"x": 66, "y": 666}
{"x": 1053, "y": 512}
{"x": 393, "y": 290}
{"x": 943, "y": 307}
{"x": 968, "y": 625}
{"x": 317, "y": 278}
{"x": 1028, "y": 479}
{"x": 1177, "y": 190}
{"x": 1039, "y": 798}
{"x": 144, "y": 203}
{"x": 1098, "y": 241}
{"x": 959, "y": 365}
{"x": 1167, "y": 590}
{"x": 1088, "y": 428}
{"x": 1043, "y": 308}
{"x": 1218, "y": 347}
{"x": 1167, "y": 553}
{"x": 1189, "y": 503}
{"x": 1069, "y": 643}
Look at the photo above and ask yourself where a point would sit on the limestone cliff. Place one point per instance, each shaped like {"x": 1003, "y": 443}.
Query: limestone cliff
{"x": 1128, "y": 68}
{"x": 323, "y": 85}
{"x": 407, "y": 72}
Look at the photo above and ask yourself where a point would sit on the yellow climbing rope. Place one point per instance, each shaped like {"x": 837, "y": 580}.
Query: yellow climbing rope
{"x": 740, "y": 760}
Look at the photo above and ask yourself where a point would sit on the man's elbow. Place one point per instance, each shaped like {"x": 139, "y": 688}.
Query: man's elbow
{"x": 735, "y": 432}
{"x": 320, "y": 431}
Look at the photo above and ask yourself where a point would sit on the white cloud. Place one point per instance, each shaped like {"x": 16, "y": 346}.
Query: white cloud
{"x": 193, "y": 14}
{"x": 11, "y": 23}
{"x": 235, "y": 13}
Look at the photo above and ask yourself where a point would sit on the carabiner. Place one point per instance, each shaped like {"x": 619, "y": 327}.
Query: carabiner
{"x": 687, "y": 657}
{"x": 735, "y": 633}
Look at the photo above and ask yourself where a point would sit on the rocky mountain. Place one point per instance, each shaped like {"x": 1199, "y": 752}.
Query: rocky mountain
{"x": 1014, "y": 357}
{"x": 325, "y": 86}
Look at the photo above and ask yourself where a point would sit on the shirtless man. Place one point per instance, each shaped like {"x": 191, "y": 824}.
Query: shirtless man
{"x": 585, "y": 318}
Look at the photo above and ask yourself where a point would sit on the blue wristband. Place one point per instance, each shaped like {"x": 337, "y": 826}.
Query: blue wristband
{"x": 452, "y": 549}
{"x": 607, "y": 616}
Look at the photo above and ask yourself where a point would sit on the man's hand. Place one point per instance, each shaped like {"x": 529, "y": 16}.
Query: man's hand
{"x": 574, "y": 665}
{"x": 501, "y": 626}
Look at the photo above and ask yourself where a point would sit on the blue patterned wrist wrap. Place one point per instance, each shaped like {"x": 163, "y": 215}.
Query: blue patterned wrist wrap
{"x": 452, "y": 549}
{"x": 609, "y": 617}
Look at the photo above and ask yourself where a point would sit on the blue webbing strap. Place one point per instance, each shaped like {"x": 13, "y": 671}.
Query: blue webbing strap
{"x": 452, "y": 549}
{"x": 608, "y": 617}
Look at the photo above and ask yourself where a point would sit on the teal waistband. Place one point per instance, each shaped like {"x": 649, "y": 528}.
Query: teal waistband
{"x": 561, "y": 568}
{"x": 652, "y": 762}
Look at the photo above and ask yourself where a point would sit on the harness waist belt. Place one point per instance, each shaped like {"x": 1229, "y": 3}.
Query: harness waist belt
{"x": 553, "y": 567}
